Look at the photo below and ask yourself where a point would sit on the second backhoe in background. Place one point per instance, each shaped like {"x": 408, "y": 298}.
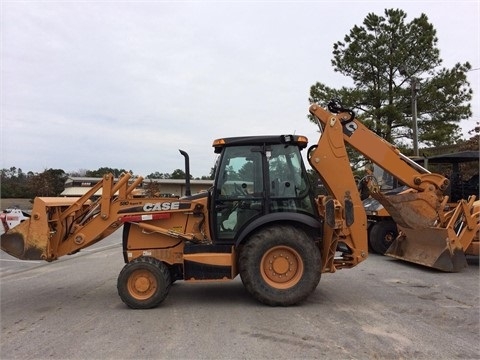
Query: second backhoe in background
{"x": 462, "y": 170}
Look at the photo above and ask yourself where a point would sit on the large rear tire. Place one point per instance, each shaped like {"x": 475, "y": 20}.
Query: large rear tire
{"x": 382, "y": 235}
{"x": 280, "y": 265}
{"x": 144, "y": 283}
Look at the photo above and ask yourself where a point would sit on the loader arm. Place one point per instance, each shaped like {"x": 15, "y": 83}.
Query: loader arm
{"x": 61, "y": 226}
{"x": 429, "y": 235}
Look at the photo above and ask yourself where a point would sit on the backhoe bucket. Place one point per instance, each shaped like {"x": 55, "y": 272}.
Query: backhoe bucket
{"x": 411, "y": 209}
{"x": 420, "y": 239}
{"x": 22, "y": 242}
{"x": 429, "y": 247}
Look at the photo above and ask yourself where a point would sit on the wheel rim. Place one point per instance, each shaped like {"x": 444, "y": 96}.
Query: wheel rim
{"x": 282, "y": 267}
{"x": 389, "y": 237}
{"x": 142, "y": 284}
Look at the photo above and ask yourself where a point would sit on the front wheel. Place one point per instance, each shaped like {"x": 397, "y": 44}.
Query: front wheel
{"x": 144, "y": 283}
{"x": 280, "y": 265}
{"x": 381, "y": 235}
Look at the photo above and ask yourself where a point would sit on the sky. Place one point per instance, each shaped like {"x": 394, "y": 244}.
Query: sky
{"x": 126, "y": 84}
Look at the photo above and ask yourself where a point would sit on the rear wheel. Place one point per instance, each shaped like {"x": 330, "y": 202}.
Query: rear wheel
{"x": 280, "y": 265}
{"x": 143, "y": 283}
{"x": 382, "y": 235}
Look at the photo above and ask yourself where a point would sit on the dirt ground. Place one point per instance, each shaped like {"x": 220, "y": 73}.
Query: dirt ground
{"x": 22, "y": 204}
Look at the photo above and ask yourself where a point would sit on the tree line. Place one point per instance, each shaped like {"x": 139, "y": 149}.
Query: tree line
{"x": 15, "y": 183}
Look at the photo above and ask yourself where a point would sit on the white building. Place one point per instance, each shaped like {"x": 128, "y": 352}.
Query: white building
{"x": 78, "y": 186}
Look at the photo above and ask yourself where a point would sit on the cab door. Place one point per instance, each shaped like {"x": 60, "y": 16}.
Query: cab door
{"x": 238, "y": 195}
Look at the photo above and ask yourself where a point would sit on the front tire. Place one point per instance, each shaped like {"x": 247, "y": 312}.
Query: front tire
{"x": 381, "y": 235}
{"x": 144, "y": 283}
{"x": 280, "y": 265}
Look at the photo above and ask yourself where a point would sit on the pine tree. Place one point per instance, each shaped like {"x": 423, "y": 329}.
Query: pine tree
{"x": 383, "y": 57}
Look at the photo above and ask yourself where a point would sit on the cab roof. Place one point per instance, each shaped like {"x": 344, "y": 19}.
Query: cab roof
{"x": 297, "y": 140}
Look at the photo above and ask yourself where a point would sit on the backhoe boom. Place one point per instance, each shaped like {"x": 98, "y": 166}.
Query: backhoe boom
{"x": 429, "y": 235}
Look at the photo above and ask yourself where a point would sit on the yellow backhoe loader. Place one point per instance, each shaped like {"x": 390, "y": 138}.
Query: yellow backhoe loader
{"x": 382, "y": 229}
{"x": 260, "y": 219}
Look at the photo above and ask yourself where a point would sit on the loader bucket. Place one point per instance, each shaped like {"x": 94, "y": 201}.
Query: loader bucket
{"x": 429, "y": 247}
{"x": 30, "y": 240}
{"x": 21, "y": 242}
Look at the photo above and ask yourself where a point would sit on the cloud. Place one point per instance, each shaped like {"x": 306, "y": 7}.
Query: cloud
{"x": 127, "y": 84}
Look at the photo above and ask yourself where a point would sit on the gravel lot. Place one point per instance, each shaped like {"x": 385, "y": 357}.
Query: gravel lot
{"x": 381, "y": 309}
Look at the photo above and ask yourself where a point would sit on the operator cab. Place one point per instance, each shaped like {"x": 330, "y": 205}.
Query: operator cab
{"x": 257, "y": 176}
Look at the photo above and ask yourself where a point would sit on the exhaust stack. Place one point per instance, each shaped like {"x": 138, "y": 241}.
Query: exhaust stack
{"x": 188, "y": 192}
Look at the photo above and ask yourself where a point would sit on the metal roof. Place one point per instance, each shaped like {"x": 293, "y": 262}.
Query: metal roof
{"x": 161, "y": 181}
{"x": 463, "y": 156}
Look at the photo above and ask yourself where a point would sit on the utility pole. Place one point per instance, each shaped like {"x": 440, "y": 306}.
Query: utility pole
{"x": 414, "y": 86}
{"x": 414, "y": 83}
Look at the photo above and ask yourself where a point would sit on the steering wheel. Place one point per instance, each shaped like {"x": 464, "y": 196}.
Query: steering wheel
{"x": 240, "y": 190}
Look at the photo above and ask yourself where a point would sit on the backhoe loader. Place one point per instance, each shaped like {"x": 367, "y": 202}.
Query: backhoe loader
{"x": 382, "y": 230}
{"x": 260, "y": 219}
